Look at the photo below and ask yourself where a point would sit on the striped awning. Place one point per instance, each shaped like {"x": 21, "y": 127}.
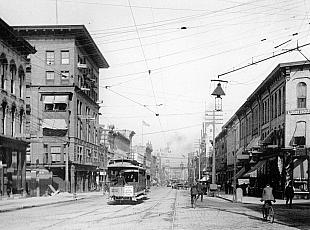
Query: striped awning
{"x": 253, "y": 171}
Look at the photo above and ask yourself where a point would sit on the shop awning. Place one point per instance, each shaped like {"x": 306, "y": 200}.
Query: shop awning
{"x": 240, "y": 173}
{"x": 300, "y": 168}
{"x": 269, "y": 138}
{"x": 239, "y": 151}
{"x": 253, "y": 171}
{"x": 203, "y": 179}
{"x": 50, "y": 99}
{"x": 54, "y": 124}
{"x": 299, "y": 135}
{"x": 253, "y": 143}
{"x": 61, "y": 99}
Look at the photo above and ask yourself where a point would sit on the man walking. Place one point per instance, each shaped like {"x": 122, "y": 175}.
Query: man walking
{"x": 289, "y": 193}
{"x": 194, "y": 193}
{"x": 200, "y": 191}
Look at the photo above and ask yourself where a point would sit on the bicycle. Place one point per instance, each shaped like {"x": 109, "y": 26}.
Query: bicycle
{"x": 268, "y": 211}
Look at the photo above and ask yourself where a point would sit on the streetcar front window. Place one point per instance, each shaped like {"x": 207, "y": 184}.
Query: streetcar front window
{"x": 131, "y": 176}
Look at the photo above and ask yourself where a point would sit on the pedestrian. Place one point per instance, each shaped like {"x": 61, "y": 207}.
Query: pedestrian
{"x": 289, "y": 193}
{"x": 194, "y": 193}
{"x": 243, "y": 187}
{"x": 200, "y": 191}
{"x": 9, "y": 188}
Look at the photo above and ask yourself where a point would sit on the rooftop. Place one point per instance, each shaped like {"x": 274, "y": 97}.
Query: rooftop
{"x": 78, "y": 32}
{"x": 10, "y": 37}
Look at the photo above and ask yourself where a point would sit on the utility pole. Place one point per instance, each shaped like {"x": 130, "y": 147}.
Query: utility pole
{"x": 213, "y": 152}
{"x": 67, "y": 167}
{"x": 212, "y": 119}
{"x": 199, "y": 176}
{"x": 235, "y": 161}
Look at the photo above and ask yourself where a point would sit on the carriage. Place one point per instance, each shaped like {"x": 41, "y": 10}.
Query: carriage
{"x": 127, "y": 180}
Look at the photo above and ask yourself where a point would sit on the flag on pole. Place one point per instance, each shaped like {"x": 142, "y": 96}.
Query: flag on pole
{"x": 145, "y": 124}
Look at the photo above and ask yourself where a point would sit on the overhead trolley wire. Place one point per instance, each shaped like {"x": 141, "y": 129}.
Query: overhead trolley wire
{"x": 264, "y": 59}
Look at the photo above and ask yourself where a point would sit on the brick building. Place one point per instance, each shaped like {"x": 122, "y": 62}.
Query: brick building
{"x": 271, "y": 143}
{"x": 13, "y": 143}
{"x": 63, "y": 113}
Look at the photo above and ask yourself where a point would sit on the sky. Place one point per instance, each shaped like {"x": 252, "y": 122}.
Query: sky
{"x": 164, "y": 54}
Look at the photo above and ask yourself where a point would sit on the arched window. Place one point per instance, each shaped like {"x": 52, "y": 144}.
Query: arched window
{"x": 3, "y": 70}
{"x": 21, "y": 121}
{"x": 13, "y": 121}
{"x": 301, "y": 95}
{"x": 21, "y": 76}
{"x": 3, "y": 120}
{"x": 12, "y": 76}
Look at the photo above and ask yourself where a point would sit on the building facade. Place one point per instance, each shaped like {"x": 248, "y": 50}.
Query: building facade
{"x": 272, "y": 145}
{"x": 13, "y": 143}
{"x": 63, "y": 113}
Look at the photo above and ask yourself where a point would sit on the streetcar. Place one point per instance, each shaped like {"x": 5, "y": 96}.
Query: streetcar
{"x": 126, "y": 179}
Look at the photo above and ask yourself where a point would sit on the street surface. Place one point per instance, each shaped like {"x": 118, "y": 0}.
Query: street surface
{"x": 165, "y": 208}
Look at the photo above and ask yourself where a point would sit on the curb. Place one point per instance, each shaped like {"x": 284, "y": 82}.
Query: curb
{"x": 224, "y": 198}
{"x": 39, "y": 205}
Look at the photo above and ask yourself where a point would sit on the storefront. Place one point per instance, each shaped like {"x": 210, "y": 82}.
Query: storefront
{"x": 12, "y": 166}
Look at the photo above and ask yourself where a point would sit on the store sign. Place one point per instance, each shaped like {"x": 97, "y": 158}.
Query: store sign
{"x": 128, "y": 191}
{"x": 298, "y": 111}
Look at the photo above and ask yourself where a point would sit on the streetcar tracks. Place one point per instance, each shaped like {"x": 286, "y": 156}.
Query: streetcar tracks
{"x": 174, "y": 210}
{"x": 109, "y": 214}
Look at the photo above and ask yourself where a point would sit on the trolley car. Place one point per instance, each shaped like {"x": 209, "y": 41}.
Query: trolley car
{"x": 127, "y": 180}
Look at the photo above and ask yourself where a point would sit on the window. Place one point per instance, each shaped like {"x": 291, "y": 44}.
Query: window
{"x": 13, "y": 76}
{"x": 283, "y": 100}
{"x": 28, "y": 155}
{"x": 21, "y": 76}
{"x": 88, "y": 156}
{"x": 50, "y": 77}
{"x": 21, "y": 122}
{"x": 64, "y": 77}
{"x": 55, "y": 152}
{"x": 4, "y": 106}
{"x": 55, "y": 103}
{"x": 280, "y": 103}
{"x": 81, "y": 60}
{"x": 255, "y": 121}
{"x": 50, "y": 57}
{"x": 13, "y": 121}
{"x": 275, "y": 105}
{"x": 45, "y": 148}
{"x": 65, "y": 57}
{"x": 301, "y": 95}
{"x": 3, "y": 72}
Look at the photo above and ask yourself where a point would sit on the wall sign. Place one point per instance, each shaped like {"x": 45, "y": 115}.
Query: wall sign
{"x": 298, "y": 111}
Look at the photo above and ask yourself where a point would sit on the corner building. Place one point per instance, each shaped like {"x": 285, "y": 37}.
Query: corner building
{"x": 13, "y": 143}
{"x": 62, "y": 97}
{"x": 270, "y": 142}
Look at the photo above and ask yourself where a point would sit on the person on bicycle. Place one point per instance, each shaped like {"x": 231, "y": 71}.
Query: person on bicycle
{"x": 194, "y": 193}
{"x": 267, "y": 197}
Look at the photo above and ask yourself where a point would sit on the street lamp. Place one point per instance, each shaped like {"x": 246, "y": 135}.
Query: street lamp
{"x": 218, "y": 93}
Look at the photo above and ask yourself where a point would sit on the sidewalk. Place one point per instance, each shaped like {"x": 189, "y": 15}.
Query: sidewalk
{"x": 256, "y": 200}
{"x": 7, "y": 205}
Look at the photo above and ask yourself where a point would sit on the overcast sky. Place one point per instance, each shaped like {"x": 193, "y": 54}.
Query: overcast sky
{"x": 158, "y": 68}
